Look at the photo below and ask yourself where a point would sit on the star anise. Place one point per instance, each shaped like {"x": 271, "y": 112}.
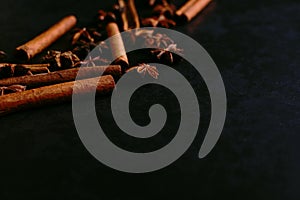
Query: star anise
{"x": 58, "y": 59}
{"x": 167, "y": 53}
{"x": 155, "y": 41}
{"x": 96, "y": 35}
{"x": 145, "y": 68}
{"x": 102, "y": 46}
{"x": 160, "y": 21}
{"x": 166, "y": 10}
{"x": 158, "y": 2}
{"x": 94, "y": 61}
{"x": 166, "y": 23}
{"x": 150, "y": 22}
{"x": 82, "y": 33}
{"x": 84, "y": 48}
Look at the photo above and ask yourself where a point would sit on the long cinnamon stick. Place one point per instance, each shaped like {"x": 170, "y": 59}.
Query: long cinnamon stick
{"x": 117, "y": 45}
{"x": 193, "y": 10}
{"x": 54, "y": 94}
{"x": 42, "y": 41}
{"x": 62, "y": 76}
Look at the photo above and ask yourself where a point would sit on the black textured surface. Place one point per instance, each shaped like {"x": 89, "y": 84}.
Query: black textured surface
{"x": 255, "y": 46}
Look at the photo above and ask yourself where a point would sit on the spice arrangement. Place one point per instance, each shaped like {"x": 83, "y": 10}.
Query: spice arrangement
{"x": 24, "y": 84}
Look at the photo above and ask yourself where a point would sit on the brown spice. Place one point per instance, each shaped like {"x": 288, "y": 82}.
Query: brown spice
{"x": 82, "y": 33}
{"x": 134, "y": 21}
{"x": 10, "y": 70}
{"x": 193, "y": 10}
{"x": 44, "y": 40}
{"x": 61, "y": 60}
{"x": 129, "y": 15}
{"x": 11, "y": 89}
{"x": 184, "y": 7}
{"x": 166, "y": 10}
{"x": 54, "y": 94}
{"x": 62, "y": 76}
{"x": 117, "y": 46}
{"x": 160, "y": 21}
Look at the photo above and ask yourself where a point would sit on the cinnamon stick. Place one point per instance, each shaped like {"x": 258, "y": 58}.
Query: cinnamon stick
{"x": 54, "y": 94}
{"x": 39, "y": 70}
{"x": 122, "y": 8}
{"x": 134, "y": 21}
{"x": 31, "y": 68}
{"x": 117, "y": 45}
{"x": 44, "y": 40}
{"x": 62, "y": 76}
{"x": 184, "y": 7}
{"x": 193, "y": 10}
{"x": 129, "y": 15}
{"x": 9, "y": 70}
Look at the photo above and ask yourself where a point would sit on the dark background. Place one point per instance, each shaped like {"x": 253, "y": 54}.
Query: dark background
{"x": 255, "y": 46}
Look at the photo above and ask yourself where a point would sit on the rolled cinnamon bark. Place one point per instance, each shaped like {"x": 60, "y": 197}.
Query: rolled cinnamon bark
{"x": 39, "y": 70}
{"x": 117, "y": 46}
{"x": 129, "y": 15}
{"x": 123, "y": 10}
{"x": 44, "y": 40}
{"x": 134, "y": 21}
{"x": 184, "y": 7}
{"x": 9, "y": 70}
{"x": 62, "y": 76}
{"x": 25, "y": 65}
{"x": 32, "y": 68}
{"x": 54, "y": 94}
{"x": 193, "y": 10}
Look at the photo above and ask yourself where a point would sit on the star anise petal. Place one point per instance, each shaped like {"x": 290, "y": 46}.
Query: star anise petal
{"x": 151, "y": 70}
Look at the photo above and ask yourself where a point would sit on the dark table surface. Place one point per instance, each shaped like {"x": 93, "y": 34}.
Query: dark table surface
{"x": 254, "y": 43}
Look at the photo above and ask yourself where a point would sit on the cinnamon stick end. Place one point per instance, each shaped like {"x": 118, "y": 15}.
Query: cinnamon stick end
{"x": 21, "y": 54}
{"x": 123, "y": 62}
